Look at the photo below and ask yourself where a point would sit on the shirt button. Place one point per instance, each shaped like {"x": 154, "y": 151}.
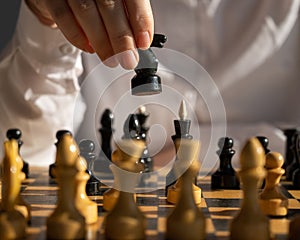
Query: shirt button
{"x": 67, "y": 49}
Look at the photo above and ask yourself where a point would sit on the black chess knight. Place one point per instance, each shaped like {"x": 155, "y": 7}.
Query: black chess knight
{"x": 146, "y": 81}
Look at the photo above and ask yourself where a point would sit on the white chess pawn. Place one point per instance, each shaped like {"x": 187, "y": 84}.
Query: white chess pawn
{"x": 186, "y": 221}
{"x": 251, "y": 223}
{"x": 272, "y": 201}
{"x": 12, "y": 221}
{"x": 66, "y": 221}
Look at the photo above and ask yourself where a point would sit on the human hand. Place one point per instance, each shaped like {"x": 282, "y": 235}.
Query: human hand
{"x": 107, "y": 27}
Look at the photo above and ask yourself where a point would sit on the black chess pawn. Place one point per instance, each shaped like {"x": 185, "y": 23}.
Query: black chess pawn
{"x": 264, "y": 141}
{"x": 146, "y": 81}
{"x": 295, "y": 147}
{"x": 225, "y": 177}
{"x": 87, "y": 148}
{"x": 106, "y": 132}
{"x": 15, "y": 133}
{"x": 59, "y": 134}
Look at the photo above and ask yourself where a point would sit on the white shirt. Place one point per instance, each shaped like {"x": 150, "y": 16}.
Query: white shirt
{"x": 250, "y": 48}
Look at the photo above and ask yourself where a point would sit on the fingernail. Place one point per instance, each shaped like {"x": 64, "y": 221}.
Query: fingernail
{"x": 111, "y": 62}
{"x": 143, "y": 40}
{"x": 128, "y": 59}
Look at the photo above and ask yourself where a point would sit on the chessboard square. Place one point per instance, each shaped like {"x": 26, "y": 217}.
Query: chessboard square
{"x": 221, "y": 225}
{"x": 209, "y": 226}
{"x": 293, "y": 203}
{"x": 217, "y": 202}
{"x": 148, "y": 200}
{"x": 279, "y": 226}
{"x": 40, "y": 199}
{"x": 161, "y": 223}
{"x": 223, "y": 213}
{"x": 222, "y": 235}
{"x": 228, "y": 194}
{"x": 202, "y": 203}
{"x": 151, "y": 234}
{"x": 152, "y": 224}
{"x": 295, "y": 193}
{"x": 150, "y": 211}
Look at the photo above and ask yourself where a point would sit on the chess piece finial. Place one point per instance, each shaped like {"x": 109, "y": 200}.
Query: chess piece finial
{"x": 272, "y": 201}
{"x": 182, "y": 111}
{"x": 225, "y": 177}
{"x": 12, "y": 221}
{"x": 182, "y": 125}
{"x": 250, "y": 221}
{"x": 146, "y": 81}
{"x": 142, "y": 109}
{"x": 187, "y": 221}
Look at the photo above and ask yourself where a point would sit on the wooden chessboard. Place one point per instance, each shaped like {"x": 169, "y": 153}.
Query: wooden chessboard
{"x": 219, "y": 208}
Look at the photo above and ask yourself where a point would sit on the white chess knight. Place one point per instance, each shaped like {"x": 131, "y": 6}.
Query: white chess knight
{"x": 246, "y": 46}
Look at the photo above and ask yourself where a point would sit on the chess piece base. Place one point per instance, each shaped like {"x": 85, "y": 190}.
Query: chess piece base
{"x": 274, "y": 207}
{"x": 193, "y": 230}
{"x": 145, "y": 84}
{"x": 248, "y": 229}
{"x": 12, "y": 225}
{"x": 174, "y": 192}
{"x": 64, "y": 226}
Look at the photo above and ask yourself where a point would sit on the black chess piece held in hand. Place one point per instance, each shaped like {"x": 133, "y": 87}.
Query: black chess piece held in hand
{"x": 146, "y": 81}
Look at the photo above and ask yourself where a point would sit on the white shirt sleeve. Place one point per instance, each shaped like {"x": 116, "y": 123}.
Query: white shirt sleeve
{"x": 38, "y": 86}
